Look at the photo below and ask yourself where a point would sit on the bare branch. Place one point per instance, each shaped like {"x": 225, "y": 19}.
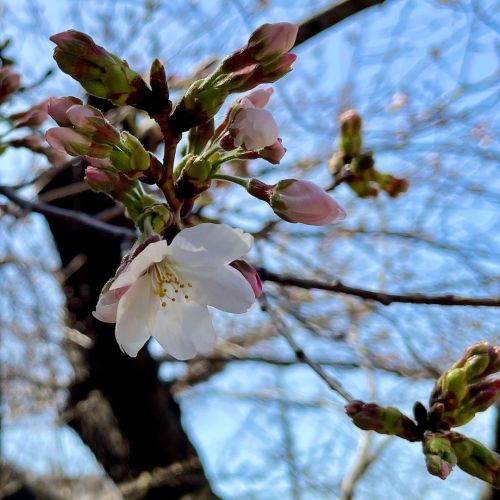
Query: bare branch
{"x": 332, "y": 16}
{"x": 69, "y": 217}
{"x": 381, "y": 297}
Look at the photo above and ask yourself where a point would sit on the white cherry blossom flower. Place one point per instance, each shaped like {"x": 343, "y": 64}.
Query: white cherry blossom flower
{"x": 164, "y": 291}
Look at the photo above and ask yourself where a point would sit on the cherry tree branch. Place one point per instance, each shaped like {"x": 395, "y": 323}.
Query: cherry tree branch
{"x": 69, "y": 217}
{"x": 377, "y": 296}
{"x": 331, "y": 16}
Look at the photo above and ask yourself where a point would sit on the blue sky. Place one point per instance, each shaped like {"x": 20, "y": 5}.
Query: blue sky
{"x": 432, "y": 52}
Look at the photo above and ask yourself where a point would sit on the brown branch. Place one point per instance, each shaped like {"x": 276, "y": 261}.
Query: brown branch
{"x": 69, "y": 217}
{"x": 332, "y": 16}
{"x": 381, "y": 297}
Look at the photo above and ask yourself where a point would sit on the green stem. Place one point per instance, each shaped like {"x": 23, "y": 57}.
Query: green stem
{"x": 231, "y": 178}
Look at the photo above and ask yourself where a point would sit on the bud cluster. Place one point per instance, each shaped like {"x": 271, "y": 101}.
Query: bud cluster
{"x": 459, "y": 393}
{"x": 357, "y": 167}
{"x": 468, "y": 387}
{"x": 264, "y": 59}
{"x": 84, "y": 131}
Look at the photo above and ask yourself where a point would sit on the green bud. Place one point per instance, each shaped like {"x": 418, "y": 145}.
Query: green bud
{"x": 99, "y": 72}
{"x": 383, "y": 420}
{"x": 476, "y": 459}
{"x": 139, "y": 157}
{"x": 440, "y": 457}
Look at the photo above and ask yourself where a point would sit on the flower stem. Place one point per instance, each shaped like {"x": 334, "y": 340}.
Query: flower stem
{"x": 231, "y": 178}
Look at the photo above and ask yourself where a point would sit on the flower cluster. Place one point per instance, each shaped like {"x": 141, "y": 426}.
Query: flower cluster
{"x": 165, "y": 284}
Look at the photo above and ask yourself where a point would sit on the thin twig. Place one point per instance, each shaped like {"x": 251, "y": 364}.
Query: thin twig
{"x": 335, "y": 385}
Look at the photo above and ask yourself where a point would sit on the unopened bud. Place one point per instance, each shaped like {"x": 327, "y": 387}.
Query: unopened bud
{"x": 32, "y": 117}
{"x": 383, "y": 420}
{"x": 439, "y": 455}
{"x": 253, "y": 129}
{"x": 350, "y": 133}
{"x": 270, "y": 41}
{"x": 98, "y": 71}
{"x": 273, "y": 153}
{"x": 250, "y": 274}
{"x": 476, "y": 459}
{"x": 303, "y": 201}
{"x": 58, "y": 106}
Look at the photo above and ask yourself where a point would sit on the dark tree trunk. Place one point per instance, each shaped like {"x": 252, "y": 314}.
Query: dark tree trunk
{"x": 117, "y": 404}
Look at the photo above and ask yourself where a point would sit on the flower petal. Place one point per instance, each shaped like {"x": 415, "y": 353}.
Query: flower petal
{"x": 107, "y": 307}
{"x": 222, "y": 287}
{"x": 209, "y": 244}
{"x": 154, "y": 252}
{"x": 167, "y": 329}
{"x": 136, "y": 311}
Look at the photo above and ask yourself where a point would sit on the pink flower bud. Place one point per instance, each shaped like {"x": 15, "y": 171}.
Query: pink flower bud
{"x": 58, "y": 106}
{"x": 250, "y": 274}
{"x": 32, "y": 117}
{"x": 103, "y": 181}
{"x": 260, "y": 97}
{"x": 271, "y": 40}
{"x": 253, "y": 129}
{"x": 9, "y": 83}
{"x": 89, "y": 120}
{"x": 68, "y": 140}
{"x": 303, "y": 201}
{"x": 273, "y": 153}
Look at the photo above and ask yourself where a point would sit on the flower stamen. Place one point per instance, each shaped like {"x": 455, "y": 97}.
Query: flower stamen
{"x": 167, "y": 284}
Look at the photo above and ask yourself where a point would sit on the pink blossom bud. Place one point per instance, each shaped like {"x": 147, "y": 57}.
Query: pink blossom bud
{"x": 89, "y": 120}
{"x": 58, "y": 107}
{"x": 253, "y": 129}
{"x": 303, "y": 201}
{"x": 9, "y": 83}
{"x": 260, "y": 97}
{"x": 68, "y": 140}
{"x": 250, "y": 274}
{"x": 273, "y": 153}
{"x": 271, "y": 40}
{"x": 97, "y": 178}
{"x": 32, "y": 117}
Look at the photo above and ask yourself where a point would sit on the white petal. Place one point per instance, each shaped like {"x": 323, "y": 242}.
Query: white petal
{"x": 209, "y": 244}
{"x": 184, "y": 328}
{"x": 136, "y": 311}
{"x": 169, "y": 330}
{"x": 107, "y": 307}
{"x": 200, "y": 327}
{"x": 154, "y": 252}
{"x": 222, "y": 287}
